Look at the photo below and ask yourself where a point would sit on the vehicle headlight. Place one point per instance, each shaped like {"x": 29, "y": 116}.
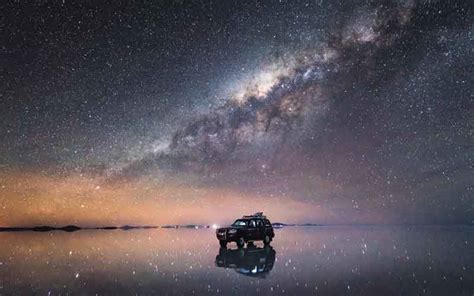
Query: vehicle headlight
{"x": 232, "y": 231}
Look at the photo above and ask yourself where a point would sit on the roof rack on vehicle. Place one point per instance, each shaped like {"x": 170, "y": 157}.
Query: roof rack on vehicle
{"x": 256, "y": 215}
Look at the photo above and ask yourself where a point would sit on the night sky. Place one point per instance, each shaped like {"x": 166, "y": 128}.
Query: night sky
{"x": 197, "y": 111}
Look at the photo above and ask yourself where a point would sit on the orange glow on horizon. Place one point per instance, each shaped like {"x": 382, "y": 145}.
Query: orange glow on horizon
{"x": 32, "y": 198}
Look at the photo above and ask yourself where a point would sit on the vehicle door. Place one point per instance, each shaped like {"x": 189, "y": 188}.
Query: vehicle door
{"x": 252, "y": 230}
{"x": 268, "y": 228}
{"x": 261, "y": 230}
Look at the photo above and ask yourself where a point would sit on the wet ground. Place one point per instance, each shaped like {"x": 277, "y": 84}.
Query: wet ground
{"x": 302, "y": 261}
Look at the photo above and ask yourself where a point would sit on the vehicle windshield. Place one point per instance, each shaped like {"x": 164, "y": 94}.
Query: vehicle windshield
{"x": 239, "y": 223}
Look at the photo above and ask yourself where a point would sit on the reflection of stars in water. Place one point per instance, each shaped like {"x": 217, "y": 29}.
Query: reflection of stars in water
{"x": 149, "y": 261}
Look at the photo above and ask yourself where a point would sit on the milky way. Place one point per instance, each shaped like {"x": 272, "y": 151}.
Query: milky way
{"x": 361, "y": 108}
{"x": 285, "y": 102}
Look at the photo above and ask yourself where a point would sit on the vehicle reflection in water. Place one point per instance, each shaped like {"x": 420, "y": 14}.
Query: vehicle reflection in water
{"x": 251, "y": 261}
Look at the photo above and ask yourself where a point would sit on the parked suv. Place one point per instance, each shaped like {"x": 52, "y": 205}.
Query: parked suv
{"x": 247, "y": 229}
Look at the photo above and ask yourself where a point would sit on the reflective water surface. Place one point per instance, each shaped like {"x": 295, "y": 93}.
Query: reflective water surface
{"x": 301, "y": 261}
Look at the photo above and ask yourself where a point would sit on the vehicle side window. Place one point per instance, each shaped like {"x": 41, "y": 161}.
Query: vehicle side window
{"x": 267, "y": 223}
{"x": 252, "y": 224}
{"x": 259, "y": 224}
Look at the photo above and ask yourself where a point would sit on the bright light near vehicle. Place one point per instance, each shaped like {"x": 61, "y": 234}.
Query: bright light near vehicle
{"x": 215, "y": 226}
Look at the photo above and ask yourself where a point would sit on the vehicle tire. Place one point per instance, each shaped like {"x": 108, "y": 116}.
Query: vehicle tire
{"x": 223, "y": 244}
{"x": 266, "y": 240}
{"x": 240, "y": 242}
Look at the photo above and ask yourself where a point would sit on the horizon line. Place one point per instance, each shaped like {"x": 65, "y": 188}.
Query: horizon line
{"x": 73, "y": 227}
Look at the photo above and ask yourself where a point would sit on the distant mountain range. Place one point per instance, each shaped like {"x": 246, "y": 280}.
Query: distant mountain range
{"x": 276, "y": 225}
{"x": 69, "y": 228}
{"x": 72, "y": 228}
